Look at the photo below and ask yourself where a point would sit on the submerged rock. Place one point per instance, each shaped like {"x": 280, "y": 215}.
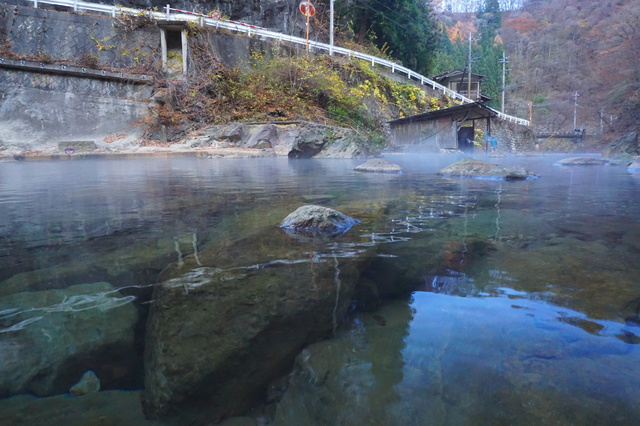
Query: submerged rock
{"x": 469, "y": 167}
{"x": 312, "y": 221}
{"x": 48, "y": 339}
{"x": 379, "y": 165}
{"x": 226, "y": 323}
{"x": 89, "y": 383}
{"x": 582, "y": 161}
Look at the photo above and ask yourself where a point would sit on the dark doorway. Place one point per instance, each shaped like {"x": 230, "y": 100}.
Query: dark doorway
{"x": 465, "y": 139}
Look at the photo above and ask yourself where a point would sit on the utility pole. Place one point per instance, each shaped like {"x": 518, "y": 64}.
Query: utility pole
{"x": 469, "y": 70}
{"x": 504, "y": 61}
{"x": 601, "y": 124}
{"x": 331, "y": 29}
{"x": 575, "y": 109}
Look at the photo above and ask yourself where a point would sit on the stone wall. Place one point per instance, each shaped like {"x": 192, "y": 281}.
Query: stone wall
{"x": 511, "y": 137}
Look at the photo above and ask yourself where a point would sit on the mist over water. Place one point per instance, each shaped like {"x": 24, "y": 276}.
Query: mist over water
{"x": 481, "y": 302}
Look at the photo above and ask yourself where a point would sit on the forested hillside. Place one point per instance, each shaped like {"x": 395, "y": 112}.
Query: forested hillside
{"x": 556, "y": 48}
{"x": 591, "y": 47}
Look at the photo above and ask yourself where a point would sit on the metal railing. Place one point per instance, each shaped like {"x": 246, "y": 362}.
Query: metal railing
{"x": 171, "y": 14}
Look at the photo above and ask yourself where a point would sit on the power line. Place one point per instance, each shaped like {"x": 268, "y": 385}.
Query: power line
{"x": 540, "y": 105}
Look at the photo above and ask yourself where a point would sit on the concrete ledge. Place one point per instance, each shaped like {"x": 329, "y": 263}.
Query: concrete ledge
{"x": 107, "y": 156}
{"x": 62, "y": 69}
{"x": 77, "y": 146}
{"x": 217, "y": 153}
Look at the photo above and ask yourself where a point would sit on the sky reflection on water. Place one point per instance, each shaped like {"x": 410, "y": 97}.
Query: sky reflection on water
{"x": 467, "y": 353}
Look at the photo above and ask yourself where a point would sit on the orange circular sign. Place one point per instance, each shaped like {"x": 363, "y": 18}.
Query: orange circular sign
{"x": 215, "y": 14}
{"x": 307, "y": 9}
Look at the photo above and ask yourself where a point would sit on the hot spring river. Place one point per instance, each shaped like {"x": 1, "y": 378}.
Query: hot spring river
{"x": 453, "y": 302}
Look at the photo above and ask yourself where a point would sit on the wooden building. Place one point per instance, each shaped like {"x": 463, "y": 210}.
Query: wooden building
{"x": 444, "y": 129}
{"x": 458, "y": 81}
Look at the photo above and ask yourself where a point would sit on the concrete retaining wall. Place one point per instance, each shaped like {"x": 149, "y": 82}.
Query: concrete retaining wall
{"x": 51, "y": 88}
{"x": 67, "y": 76}
{"x": 50, "y": 35}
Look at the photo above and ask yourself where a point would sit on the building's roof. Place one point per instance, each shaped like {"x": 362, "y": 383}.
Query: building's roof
{"x": 455, "y": 73}
{"x": 472, "y": 111}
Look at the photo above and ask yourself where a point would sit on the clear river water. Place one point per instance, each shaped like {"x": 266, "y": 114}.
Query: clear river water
{"x": 454, "y": 301}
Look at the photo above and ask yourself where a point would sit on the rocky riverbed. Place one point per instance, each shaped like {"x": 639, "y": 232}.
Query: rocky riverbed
{"x": 293, "y": 139}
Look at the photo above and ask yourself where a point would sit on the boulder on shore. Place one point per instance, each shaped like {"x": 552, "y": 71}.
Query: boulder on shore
{"x": 346, "y": 147}
{"x": 468, "y": 167}
{"x": 312, "y": 221}
{"x": 626, "y": 145}
{"x": 379, "y": 165}
{"x": 582, "y": 161}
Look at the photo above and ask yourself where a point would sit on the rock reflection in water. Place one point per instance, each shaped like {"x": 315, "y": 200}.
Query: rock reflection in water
{"x": 352, "y": 378}
{"x": 219, "y": 333}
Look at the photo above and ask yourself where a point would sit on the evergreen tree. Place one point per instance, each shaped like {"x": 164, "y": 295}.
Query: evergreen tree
{"x": 492, "y": 8}
{"x": 490, "y": 50}
{"x": 449, "y": 56}
{"x": 405, "y": 27}
{"x": 486, "y": 52}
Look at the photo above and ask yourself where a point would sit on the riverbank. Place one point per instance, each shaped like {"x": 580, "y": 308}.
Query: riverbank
{"x": 268, "y": 139}
{"x": 142, "y": 153}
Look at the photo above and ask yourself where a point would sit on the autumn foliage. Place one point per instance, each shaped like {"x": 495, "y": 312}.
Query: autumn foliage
{"x": 561, "y": 47}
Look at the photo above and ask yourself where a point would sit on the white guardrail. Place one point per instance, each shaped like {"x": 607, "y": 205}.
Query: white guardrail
{"x": 171, "y": 14}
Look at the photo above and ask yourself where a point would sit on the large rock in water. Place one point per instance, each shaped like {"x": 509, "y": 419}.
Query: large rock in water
{"x": 468, "y": 167}
{"x": 227, "y": 322}
{"x": 312, "y": 221}
{"x": 582, "y": 161}
{"x": 48, "y": 339}
{"x": 635, "y": 166}
{"x": 379, "y": 165}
